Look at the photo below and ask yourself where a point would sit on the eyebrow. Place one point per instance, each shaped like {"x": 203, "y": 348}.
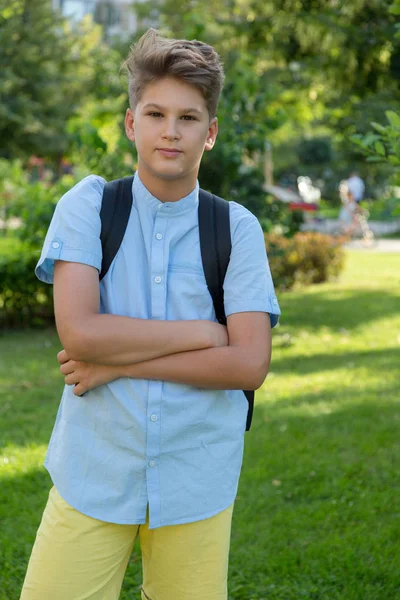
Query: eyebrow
{"x": 162, "y": 109}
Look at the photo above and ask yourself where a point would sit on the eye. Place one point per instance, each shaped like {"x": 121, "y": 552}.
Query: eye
{"x": 155, "y": 114}
{"x": 189, "y": 118}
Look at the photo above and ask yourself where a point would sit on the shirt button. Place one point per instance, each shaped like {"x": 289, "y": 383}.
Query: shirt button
{"x": 55, "y": 245}
{"x": 157, "y": 279}
{"x": 159, "y": 236}
{"x": 275, "y": 301}
{"x": 154, "y": 417}
{"x": 152, "y": 463}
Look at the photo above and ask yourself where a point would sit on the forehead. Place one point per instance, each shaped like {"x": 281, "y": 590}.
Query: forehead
{"x": 173, "y": 94}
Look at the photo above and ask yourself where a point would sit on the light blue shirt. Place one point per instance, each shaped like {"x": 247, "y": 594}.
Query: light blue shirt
{"x": 134, "y": 443}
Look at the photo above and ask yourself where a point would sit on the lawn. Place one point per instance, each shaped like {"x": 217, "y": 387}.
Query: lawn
{"x": 318, "y": 510}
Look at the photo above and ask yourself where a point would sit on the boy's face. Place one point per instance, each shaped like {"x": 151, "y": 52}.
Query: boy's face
{"x": 171, "y": 128}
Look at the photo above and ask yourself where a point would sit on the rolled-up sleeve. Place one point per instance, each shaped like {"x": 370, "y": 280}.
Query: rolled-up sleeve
{"x": 74, "y": 231}
{"x": 248, "y": 284}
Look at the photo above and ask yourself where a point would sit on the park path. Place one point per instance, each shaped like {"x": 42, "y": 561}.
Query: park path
{"x": 376, "y": 246}
{"x": 331, "y": 226}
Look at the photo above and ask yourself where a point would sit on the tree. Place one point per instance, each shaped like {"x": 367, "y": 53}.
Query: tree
{"x": 383, "y": 144}
{"x": 47, "y": 68}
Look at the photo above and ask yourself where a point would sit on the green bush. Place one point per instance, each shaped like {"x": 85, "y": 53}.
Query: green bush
{"x": 31, "y": 201}
{"x": 303, "y": 259}
{"x": 24, "y": 300}
{"x": 384, "y": 209}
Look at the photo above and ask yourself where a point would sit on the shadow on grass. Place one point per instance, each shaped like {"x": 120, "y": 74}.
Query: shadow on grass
{"x": 319, "y": 402}
{"x": 337, "y": 309}
{"x": 27, "y": 418}
{"x": 374, "y": 360}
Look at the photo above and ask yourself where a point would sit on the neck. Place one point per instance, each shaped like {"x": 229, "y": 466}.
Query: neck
{"x": 167, "y": 190}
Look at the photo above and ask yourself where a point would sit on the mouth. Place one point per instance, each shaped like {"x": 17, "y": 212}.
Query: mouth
{"x": 169, "y": 152}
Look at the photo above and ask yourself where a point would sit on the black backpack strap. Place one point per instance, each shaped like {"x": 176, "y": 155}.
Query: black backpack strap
{"x": 114, "y": 215}
{"x": 250, "y": 399}
{"x": 215, "y": 246}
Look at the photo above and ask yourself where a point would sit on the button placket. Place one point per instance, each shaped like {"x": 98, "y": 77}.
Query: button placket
{"x": 158, "y": 284}
{"x": 158, "y": 277}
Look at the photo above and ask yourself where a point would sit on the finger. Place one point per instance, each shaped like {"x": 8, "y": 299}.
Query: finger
{"x": 79, "y": 390}
{"x": 62, "y": 357}
{"x": 71, "y": 379}
{"x": 68, "y": 367}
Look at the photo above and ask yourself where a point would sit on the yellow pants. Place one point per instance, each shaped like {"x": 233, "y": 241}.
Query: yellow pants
{"x": 76, "y": 557}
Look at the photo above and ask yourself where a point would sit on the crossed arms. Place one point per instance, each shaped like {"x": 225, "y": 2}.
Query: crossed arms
{"x": 100, "y": 348}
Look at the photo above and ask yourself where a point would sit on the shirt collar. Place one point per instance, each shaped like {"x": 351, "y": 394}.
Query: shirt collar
{"x": 180, "y": 207}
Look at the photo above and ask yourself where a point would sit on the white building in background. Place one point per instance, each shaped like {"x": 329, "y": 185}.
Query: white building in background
{"x": 116, "y": 16}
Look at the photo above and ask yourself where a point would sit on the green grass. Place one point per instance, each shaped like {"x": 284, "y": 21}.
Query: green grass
{"x": 318, "y": 511}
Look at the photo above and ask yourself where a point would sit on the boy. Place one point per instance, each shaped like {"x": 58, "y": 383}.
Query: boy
{"x": 148, "y": 439}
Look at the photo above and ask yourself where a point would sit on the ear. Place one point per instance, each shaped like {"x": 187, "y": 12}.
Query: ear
{"x": 130, "y": 125}
{"x": 211, "y": 134}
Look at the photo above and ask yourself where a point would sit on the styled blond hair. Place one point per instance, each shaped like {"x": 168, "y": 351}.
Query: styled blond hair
{"x": 155, "y": 57}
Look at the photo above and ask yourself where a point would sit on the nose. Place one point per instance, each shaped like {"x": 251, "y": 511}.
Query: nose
{"x": 171, "y": 131}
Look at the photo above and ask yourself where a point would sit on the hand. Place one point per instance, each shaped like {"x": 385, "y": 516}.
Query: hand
{"x": 85, "y": 376}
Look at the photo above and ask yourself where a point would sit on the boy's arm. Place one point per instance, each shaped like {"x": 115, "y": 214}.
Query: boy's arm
{"x": 242, "y": 365}
{"x": 115, "y": 340}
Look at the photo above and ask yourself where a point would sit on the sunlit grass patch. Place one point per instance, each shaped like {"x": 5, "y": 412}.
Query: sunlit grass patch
{"x": 17, "y": 460}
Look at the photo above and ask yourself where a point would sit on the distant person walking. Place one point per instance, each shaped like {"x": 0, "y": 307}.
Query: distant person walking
{"x": 356, "y": 187}
{"x": 347, "y": 215}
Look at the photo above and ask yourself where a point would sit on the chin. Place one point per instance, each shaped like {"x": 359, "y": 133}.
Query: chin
{"x": 170, "y": 174}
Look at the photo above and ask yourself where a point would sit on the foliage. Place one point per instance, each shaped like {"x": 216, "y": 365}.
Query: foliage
{"x": 383, "y": 209}
{"x": 33, "y": 202}
{"x": 47, "y": 68}
{"x": 296, "y": 71}
{"x": 384, "y": 144}
{"x": 24, "y": 300}
{"x": 395, "y": 10}
{"x": 97, "y": 138}
{"x": 315, "y": 151}
{"x": 12, "y": 180}
{"x": 304, "y": 259}
{"x": 280, "y": 218}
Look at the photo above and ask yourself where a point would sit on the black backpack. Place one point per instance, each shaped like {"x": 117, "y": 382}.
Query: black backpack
{"x": 215, "y": 242}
